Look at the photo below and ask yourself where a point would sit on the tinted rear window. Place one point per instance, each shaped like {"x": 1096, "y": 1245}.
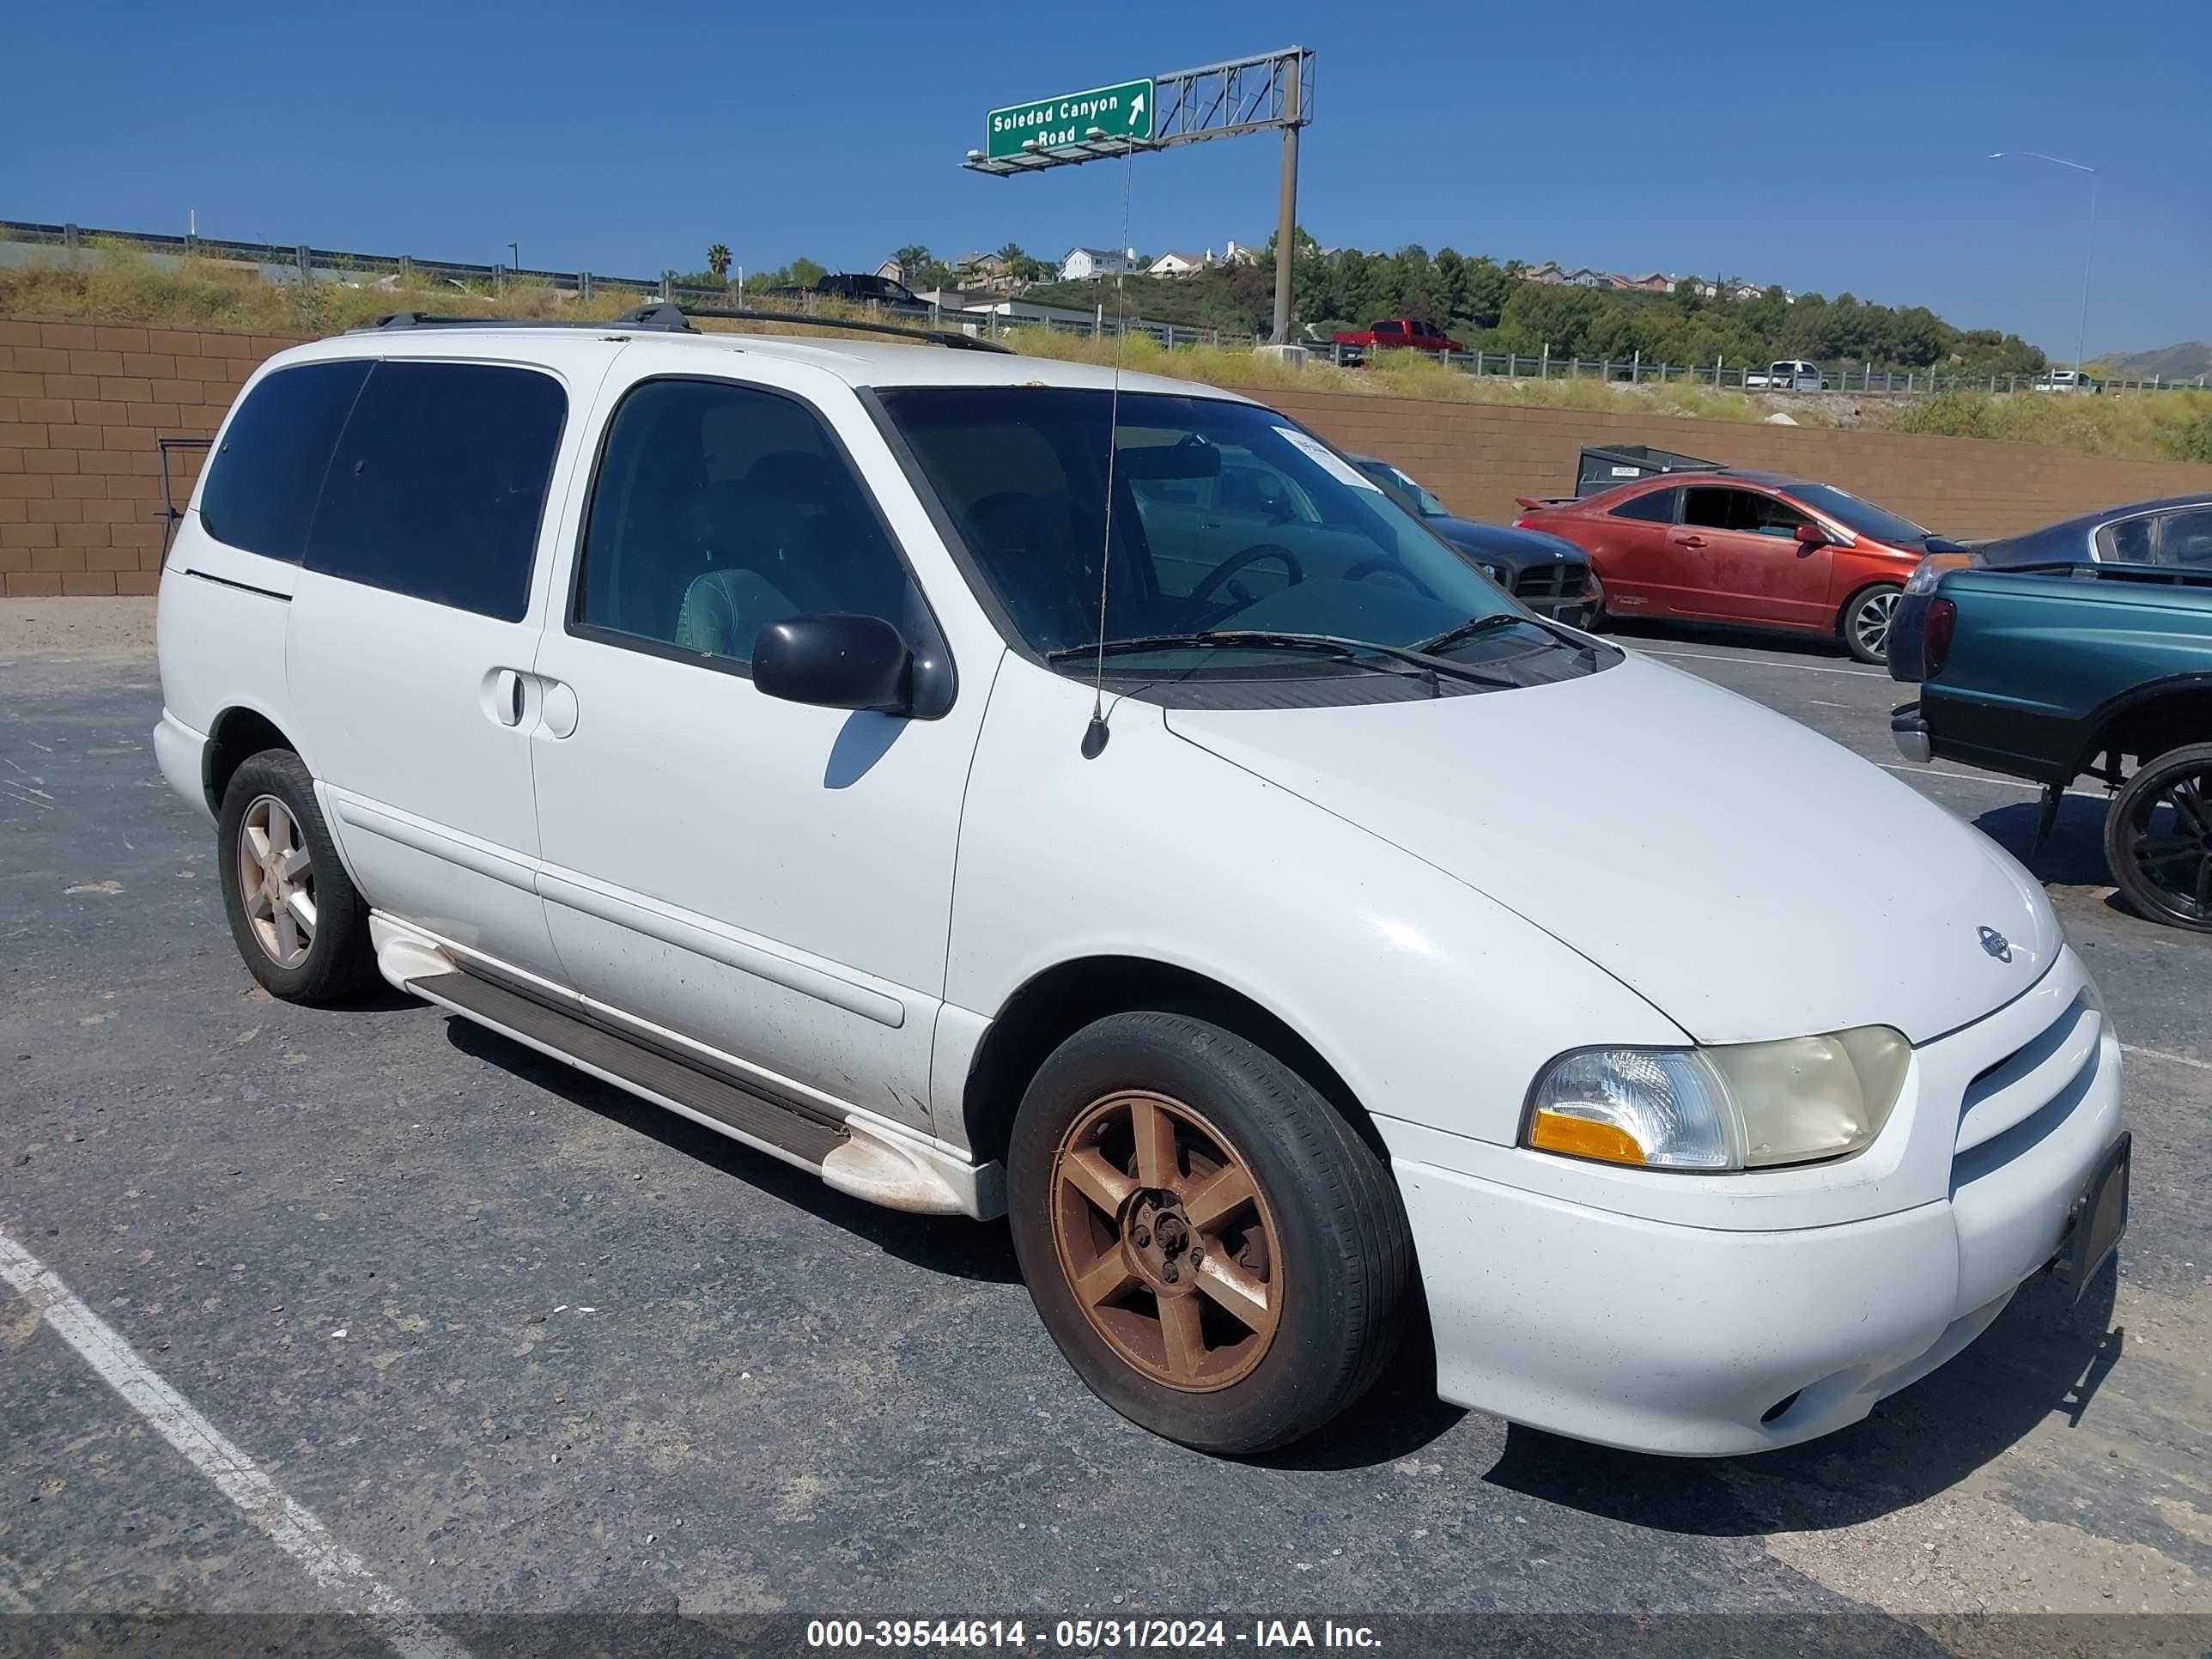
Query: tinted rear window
{"x": 438, "y": 483}
{"x": 262, "y": 482}
{"x": 1658, "y": 508}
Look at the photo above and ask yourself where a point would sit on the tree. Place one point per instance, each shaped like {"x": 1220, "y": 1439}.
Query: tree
{"x": 718, "y": 261}
{"x": 911, "y": 259}
{"x": 805, "y": 273}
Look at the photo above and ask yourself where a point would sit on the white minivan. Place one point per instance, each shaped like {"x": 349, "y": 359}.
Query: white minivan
{"x": 904, "y": 762}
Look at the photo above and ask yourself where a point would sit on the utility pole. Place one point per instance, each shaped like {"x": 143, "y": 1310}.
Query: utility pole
{"x": 2089, "y": 249}
{"x": 1286, "y": 225}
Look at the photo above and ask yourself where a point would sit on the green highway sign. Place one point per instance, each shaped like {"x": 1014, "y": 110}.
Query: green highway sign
{"x": 1124, "y": 111}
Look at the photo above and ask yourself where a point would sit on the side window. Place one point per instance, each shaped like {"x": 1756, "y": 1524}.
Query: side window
{"x": 1713, "y": 509}
{"x": 1765, "y": 516}
{"x": 439, "y": 482}
{"x": 261, "y": 484}
{"x": 1391, "y": 326}
{"x": 1656, "y": 507}
{"x": 2185, "y": 537}
{"x": 720, "y": 508}
{"x": 1744, "y": 511}
{"x": 2128, "y": 542}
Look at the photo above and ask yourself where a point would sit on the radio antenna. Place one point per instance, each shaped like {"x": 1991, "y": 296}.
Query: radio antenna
{"x": 1096, "y": 733}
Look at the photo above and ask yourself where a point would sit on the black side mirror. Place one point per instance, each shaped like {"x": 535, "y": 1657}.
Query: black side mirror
{"x": 835, "y": 661}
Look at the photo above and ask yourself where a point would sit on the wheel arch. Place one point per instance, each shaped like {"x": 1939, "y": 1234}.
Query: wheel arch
{"x": 1858, "y": 590}
{"x": 1055, "y": 1004}
{"x": 235, "y": 735}
{"x": 2148, "y": 719}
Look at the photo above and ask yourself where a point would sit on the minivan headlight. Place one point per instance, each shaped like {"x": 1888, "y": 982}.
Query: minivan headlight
{"x": 1738, "y": 1106}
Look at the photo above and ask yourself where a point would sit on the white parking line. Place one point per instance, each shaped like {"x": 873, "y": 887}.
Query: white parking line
{"x": 291, "y": 1527}
{"x": 2161, "y": 1053}
{"x": 1963, "y": 777}
{"x": 1988, "y": 777}
{"x": 1761, "y": 662}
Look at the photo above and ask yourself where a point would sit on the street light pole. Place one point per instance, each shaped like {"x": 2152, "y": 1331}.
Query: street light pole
{"x": 2089, "y": 254}
{"x": 515, "y": 249}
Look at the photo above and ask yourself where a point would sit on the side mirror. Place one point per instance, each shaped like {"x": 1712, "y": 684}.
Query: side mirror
{"x": 835, "y": 661}
{"x": 1812, "y": 535}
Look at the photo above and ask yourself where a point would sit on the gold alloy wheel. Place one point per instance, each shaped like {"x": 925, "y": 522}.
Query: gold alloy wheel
{"x": 277, "y": 882}
{"x": 1166, "y": 1241}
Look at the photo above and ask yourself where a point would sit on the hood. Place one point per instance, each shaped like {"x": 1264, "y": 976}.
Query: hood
{"x": 1746, "y": 876}
{"x": 1518, "y": 549}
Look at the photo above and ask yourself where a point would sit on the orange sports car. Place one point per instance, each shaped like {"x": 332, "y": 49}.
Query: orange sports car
{"x": 1753, "y": 549}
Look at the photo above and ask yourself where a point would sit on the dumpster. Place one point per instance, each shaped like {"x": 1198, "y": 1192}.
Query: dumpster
{"x": 1602, "y": 466}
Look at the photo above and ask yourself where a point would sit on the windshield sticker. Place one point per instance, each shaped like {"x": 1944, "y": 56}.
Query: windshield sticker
{"x": 1327, "y": 459}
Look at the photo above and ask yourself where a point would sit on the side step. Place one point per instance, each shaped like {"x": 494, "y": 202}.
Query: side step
{"x": 777, "y": 1128}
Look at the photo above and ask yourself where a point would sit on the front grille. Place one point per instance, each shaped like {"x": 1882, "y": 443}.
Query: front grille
{"x": 1556, "y": 581}
{"x": 2050, "y": 1064}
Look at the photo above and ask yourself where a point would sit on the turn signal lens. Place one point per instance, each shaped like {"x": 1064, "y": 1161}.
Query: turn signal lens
{"x": 1582, "y": 1137}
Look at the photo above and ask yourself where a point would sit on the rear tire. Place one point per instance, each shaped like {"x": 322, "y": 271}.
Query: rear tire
{"x": 1865, "y": 623}
{"x": 1218, "y": 1253}
{"x": 2161, "y": 861}
{"x": 297, "y": 920}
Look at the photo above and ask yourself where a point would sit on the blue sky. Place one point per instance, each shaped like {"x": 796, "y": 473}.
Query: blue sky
{"x": 1821, "y": 147}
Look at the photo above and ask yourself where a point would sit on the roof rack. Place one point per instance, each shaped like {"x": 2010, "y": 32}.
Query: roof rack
{"x": 665, "y": 316}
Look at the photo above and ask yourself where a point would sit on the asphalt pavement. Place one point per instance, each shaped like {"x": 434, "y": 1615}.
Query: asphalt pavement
{"x": 411, "y": 1324}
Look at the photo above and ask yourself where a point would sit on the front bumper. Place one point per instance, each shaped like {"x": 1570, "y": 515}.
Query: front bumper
{"x": 1908, "y": 727}
{"x": 1717, "y": 1341}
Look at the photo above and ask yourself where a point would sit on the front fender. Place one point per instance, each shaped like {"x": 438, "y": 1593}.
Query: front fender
{"x": 1436, "y": 1004}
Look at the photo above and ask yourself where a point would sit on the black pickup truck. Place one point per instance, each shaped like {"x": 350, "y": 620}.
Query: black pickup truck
{"x": 2050, "y": 672}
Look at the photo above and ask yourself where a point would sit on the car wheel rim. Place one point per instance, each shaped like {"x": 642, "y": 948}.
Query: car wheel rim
{"x": 2169, "y": 842}
{"x": 1870, "y": 622}
{"x": 1166, "y": 1242}
{"x": 277, "y": 882}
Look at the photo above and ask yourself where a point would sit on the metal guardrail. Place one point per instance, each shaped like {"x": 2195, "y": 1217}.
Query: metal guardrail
{"x": 304, "y": 263}
{"x": 294, "y": 264}
{"x": 1868, "y": 380}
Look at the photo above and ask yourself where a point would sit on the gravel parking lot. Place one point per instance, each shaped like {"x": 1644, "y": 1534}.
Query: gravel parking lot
{"x": 518, "y": 1342}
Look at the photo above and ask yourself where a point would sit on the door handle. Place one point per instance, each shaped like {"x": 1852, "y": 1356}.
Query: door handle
{"x": 506, "y": 695}
{"x": 1689, "y": 541}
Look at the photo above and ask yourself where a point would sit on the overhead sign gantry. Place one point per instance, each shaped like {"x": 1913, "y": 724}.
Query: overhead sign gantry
{"x": 1271, "y": 91}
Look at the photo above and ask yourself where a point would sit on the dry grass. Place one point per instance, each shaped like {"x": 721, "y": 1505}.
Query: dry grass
{"x": 116, "y": 284}
{"x": 1392, "y": 374}
{"x": 2165, "y": 426}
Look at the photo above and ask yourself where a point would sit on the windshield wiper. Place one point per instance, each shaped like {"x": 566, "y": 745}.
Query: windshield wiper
{"x": 1473, "y": 628}
{"x": 1404, "y": 658}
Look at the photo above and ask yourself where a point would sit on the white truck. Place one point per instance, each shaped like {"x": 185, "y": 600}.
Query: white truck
{"x": 1786, "y": 374}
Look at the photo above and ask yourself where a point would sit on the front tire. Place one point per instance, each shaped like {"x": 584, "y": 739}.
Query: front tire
{"x": 1867, "y": 617}
{"x": 299, "y": 925}
{"x": 1218, "y": 1254}
{"x": 2158, "y": 838}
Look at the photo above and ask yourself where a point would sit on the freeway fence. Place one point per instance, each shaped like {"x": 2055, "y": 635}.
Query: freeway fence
{"x": 995, "y": 316}
{"x": 1867, "y": 379}
{"x": 280, "y": 264}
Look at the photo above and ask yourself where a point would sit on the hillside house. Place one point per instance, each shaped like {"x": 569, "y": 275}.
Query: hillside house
{"x": 1083, "y": 262}
{"x": 1179, "y": 264}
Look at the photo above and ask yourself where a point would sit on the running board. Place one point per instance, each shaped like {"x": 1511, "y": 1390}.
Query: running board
{"x": 801, "y": 1139}
{"x": 859, "y": 1154}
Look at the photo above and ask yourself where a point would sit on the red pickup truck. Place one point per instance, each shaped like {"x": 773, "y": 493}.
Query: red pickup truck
{"x": 1392, "y": 334}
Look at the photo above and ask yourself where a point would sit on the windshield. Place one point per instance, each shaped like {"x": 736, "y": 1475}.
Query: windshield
{"x": 1228, "y": 519}
{"x": 1860, "y": 518}
{"x": 1408, "y": 493}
